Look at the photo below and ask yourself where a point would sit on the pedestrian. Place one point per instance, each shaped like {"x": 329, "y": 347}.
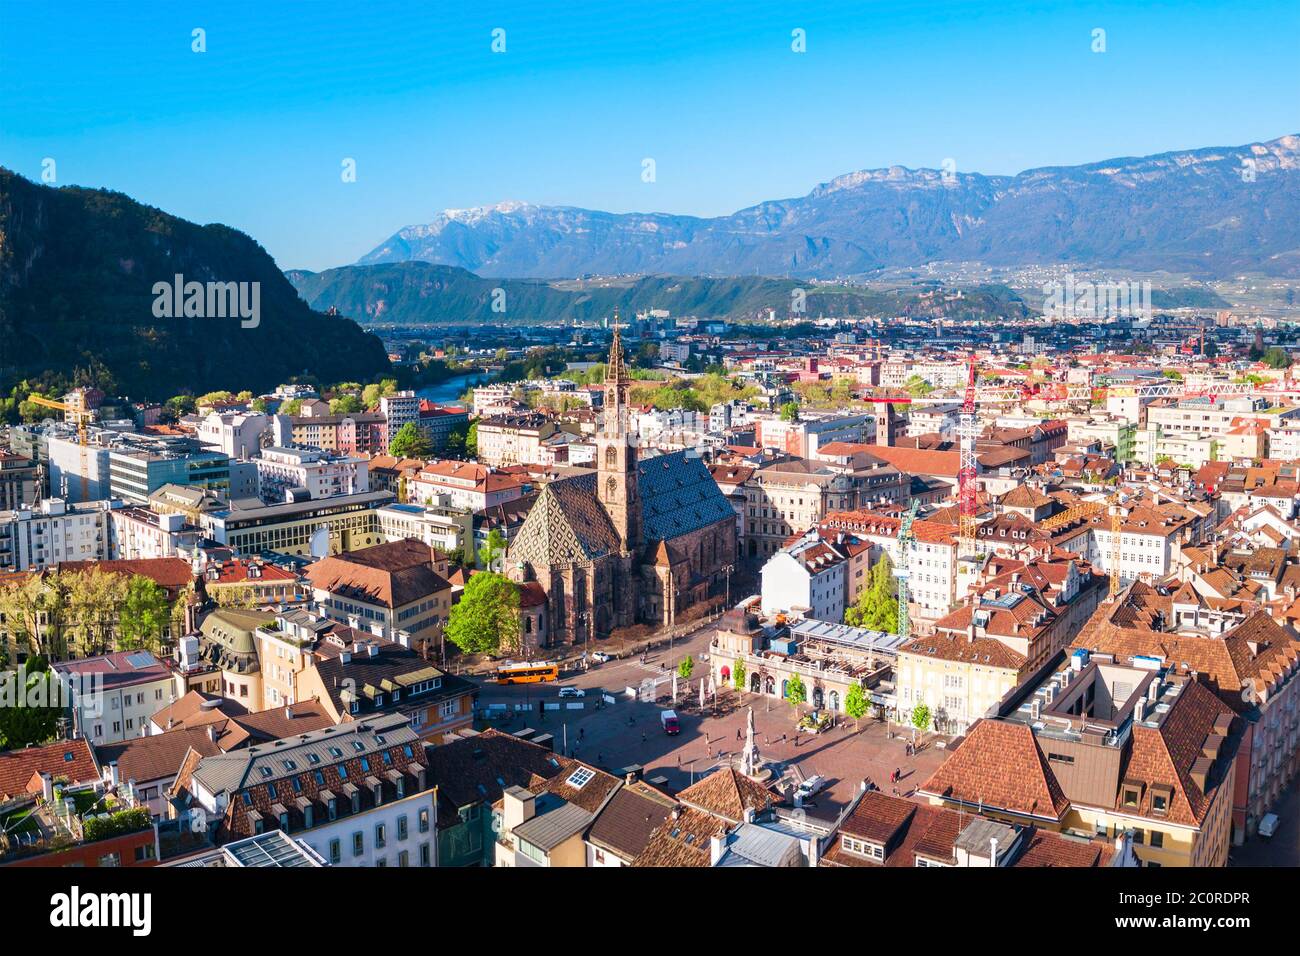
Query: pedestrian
{"x": 737, "y": 733}
{"x": 582, "y": 732}
{"x": 643, "y": 736}
{"x": 796, "y": 738}
{"x": 898, "y": 774}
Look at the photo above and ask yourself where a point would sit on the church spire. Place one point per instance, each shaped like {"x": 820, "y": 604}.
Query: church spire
{"x": 616, "y": 372}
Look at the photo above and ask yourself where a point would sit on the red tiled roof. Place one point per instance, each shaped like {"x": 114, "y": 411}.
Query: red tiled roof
{"x": 66, "y": 758}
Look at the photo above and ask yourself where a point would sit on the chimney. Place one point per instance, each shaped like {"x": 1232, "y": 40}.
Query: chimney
{"x": 749, "y": 815}
{"x": 113, "y": 778}
{"x": 1140, "y": 710}
{"x": 288, "y": 712}
{"x": 518, "y": 806}
{"x": 1153, "y": 689}
{"x": 372, "y": 648}
{"x": 717, "y": 846}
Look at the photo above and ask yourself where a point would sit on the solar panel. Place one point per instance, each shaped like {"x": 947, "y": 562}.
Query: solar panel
{"x": 140, "y": 659}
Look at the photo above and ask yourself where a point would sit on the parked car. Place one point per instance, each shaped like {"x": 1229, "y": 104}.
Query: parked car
{"x": 601, "y": 657}
{"x": 572, "y": 692}
{"x": 669, "y": 720}
{"x": 811, "y": 787}
{"x": 1268, "y": 825}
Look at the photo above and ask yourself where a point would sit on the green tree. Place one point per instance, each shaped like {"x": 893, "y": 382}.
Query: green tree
{"x": 486, "y": 620}
{"x": 260, "y": 405}
{"x": 410, "y": 442}
{"x": 493, "y": 548}
{"x": 1277, "y": 357}
{"x": 30, "y": 713}
{"x": 738, "y": 674}
{"x": 795, "y": 691}
{"x": 144, "y": 615}
{"x": 918, "y": 387}
{"x": 790, "y": 412}
{"x": 921, "y": 717}
{"x": 292, "y": 407}
{"x": 686, "y": 667}
{"x": 347, "y": 405}
{"x": 471, "y": 440}
{"x": 856, "y": 703}
{"x": 877, "y": 605}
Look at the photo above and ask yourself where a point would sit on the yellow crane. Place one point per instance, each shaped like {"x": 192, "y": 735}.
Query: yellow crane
{"x": 78, "y": 413}
{"x": 1115, "y": 501}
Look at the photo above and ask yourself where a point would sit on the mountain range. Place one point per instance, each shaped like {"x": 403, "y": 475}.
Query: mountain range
{"x": 422, "y": 293}
{"x": 1210, "y": 213}
{"x": 78, "y": 269}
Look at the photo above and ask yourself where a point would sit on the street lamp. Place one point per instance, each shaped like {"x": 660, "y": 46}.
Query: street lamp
{"x": 727, "y": 569}
{"x": 582, "y": 617}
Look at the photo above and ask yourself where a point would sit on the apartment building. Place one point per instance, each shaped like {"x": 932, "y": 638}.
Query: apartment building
{"x": 22, "y": 482}
{"x": 357, "y": 794}
{"x": 236, "y": 434}
{"x": 33, "y": 539}
{"x": 363, "y": 433}
{"x": 1097, "y": 749}
{"x": 514, "y": 439}
{"x": 282, "y": 472}
{"x": 330, "y": 525}
{"x": 358, "y": 676}
{"x": 806, "y": 579}
{"x": 466, "y": 486}
{"x": 789, "y": 496}
{"x": 112, "y": 697}
{"x": 1012, "y": 627}
{"x": 1250, "y": 661}
{"x": 931, "y": 558}
{"x": 398, "y": 409}
{"x": 395, "y": 587}
{"x": 143, "y": 533}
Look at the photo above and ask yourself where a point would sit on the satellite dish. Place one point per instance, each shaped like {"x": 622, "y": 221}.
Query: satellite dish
{"x": 320, "y": 542}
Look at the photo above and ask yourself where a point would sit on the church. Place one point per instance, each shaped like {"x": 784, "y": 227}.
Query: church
{"x": 638, "y": 541}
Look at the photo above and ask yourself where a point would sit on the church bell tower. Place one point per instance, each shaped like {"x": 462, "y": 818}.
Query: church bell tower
{"x": 615, "y": 454}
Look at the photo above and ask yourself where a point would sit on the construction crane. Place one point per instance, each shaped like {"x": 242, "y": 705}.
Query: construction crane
{"x": 1113, "y": 502}
{"x": 78, "y": 413}
{"x": 967, "y": 488}
{"x": 901, "y": 569}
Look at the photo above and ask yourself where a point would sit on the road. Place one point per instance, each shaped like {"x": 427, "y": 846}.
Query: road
{"x": 1284, "y": 847}
{"x": 628, "y": 732}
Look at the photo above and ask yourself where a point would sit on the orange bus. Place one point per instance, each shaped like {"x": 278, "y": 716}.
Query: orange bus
{"x": 527, "y": 673}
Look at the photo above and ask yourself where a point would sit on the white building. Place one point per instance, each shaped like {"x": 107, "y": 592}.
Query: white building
{"x": 112, "y": 697}
{"x": 320, "y": 473}
{"x": 33, "y": 539}
{"x": 142, "y": 533}
{"x": 357, "y": 793}
{"x": 806, "y": 579}
{"x": 398, "y": 409}
{"x": 236, "y": 434}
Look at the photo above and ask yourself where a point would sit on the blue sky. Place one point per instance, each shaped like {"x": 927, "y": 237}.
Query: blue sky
{"x": 253, "y": 132}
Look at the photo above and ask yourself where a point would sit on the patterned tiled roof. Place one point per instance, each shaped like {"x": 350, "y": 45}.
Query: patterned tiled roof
{"x": 566, "y": 524}
{"x": 678, "y": 496}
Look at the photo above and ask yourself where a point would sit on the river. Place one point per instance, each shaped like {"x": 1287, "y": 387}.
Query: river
{"x": 452, "y": 389}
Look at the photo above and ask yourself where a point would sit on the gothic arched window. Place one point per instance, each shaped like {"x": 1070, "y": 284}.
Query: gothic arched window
{"x": 611, "y": 487}
{"x": 611, "y": 458}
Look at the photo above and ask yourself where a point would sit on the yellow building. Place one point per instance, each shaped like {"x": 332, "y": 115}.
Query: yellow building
{"x": 1100, "y": 749}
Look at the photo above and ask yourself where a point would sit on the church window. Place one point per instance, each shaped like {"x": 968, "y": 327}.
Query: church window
{"x": 611, "y": 489}
{"x": 611, "y": 457}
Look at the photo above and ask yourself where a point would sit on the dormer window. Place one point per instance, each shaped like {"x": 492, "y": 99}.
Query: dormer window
{"x": 1131, "y": 795}
{"x": 872, "y": 851}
